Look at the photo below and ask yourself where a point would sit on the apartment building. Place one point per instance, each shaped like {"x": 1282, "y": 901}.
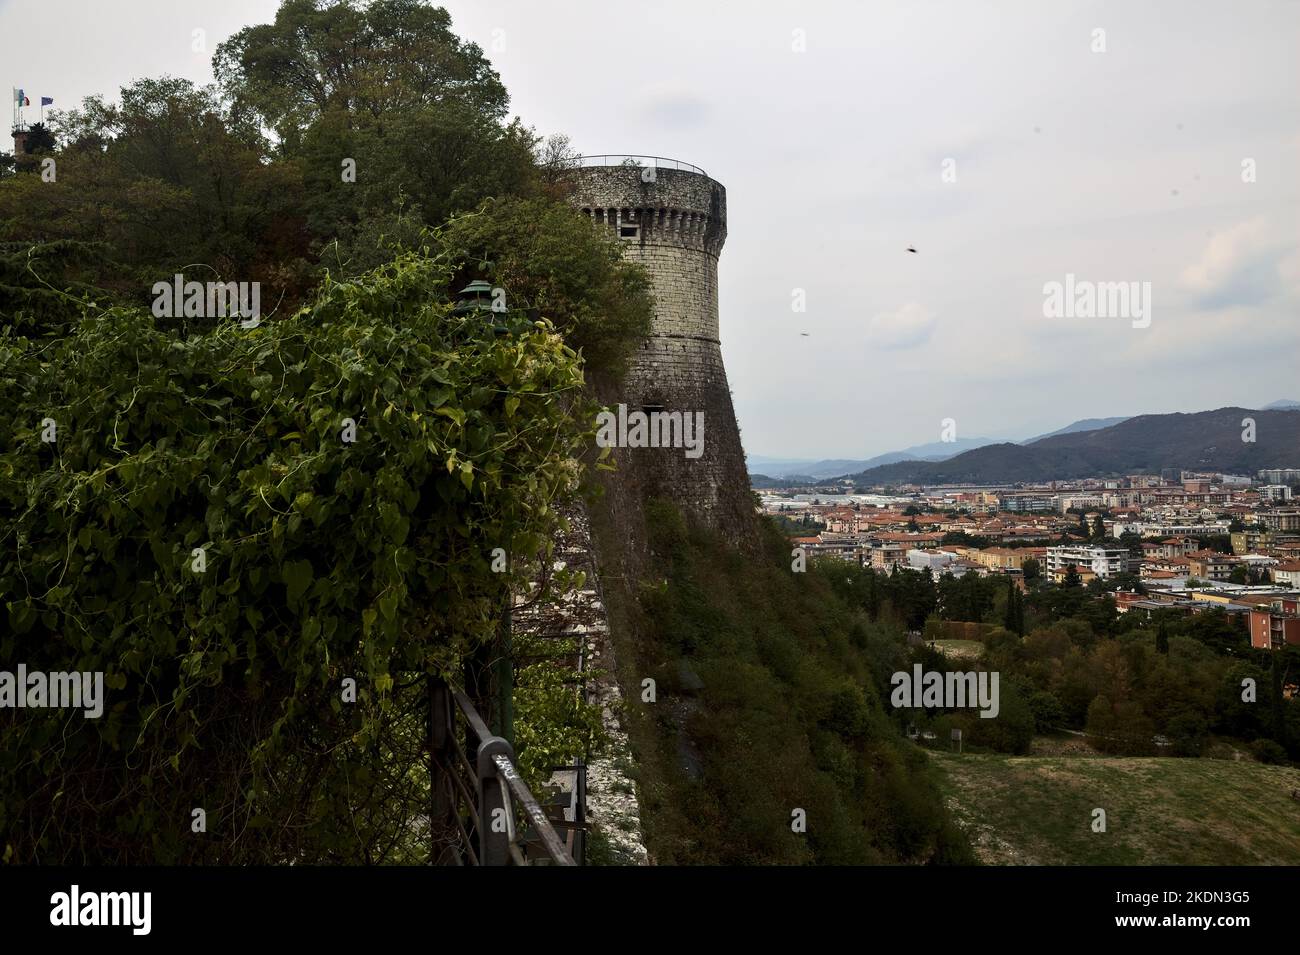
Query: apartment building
{"x": 1101, "y": 561}
{"x": 1058, "y": 575}
{"x": 1120, "y": 500}
{"x": 1271, "y": 629}
{"x": 1085, "y": 501}
{"x": 1170, "y": 547}
{"x": 1163, "y": 529}
{"x": 828, "y": 544}
{"x": 1250, "y": 541}
{"x": 1281, "y": 519}
{"x": 1287, "y": 573}
{"x": 933, "y": 560}
{"x": 1036, "y": 503}
{"x": 1209, "y": 565}
{"x": 1200, "y": 494}
{"x": 886, "y": 555}
{"x": 1003, "y": 559}
{"x": 923, "y": 540}
{"x": 1280, "y": 475}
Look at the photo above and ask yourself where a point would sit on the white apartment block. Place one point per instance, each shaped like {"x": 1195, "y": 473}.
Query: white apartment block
{"x": 936, "y": 560}
{"x": 1066, "y": 501}
{"x": 1280, "y": 475}
{"x": 1153, "y": 529}
{"x": 1102, "y": 561}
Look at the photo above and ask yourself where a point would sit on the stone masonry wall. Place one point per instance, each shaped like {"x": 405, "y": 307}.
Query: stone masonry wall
{"x": 674, "y": 223}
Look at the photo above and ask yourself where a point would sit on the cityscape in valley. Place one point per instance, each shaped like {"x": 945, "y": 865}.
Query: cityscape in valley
{"x": 1178, "y": 540}
{"x": 1110, "y": 607}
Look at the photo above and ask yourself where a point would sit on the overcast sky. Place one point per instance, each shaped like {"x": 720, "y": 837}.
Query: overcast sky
{"x": 1122, "y": 165}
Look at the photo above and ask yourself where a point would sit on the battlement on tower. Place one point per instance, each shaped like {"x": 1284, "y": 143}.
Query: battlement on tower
{"x": 655, "y": 205}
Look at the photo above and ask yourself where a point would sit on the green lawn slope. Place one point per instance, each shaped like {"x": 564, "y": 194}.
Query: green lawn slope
{"x": 1159, "y": 811}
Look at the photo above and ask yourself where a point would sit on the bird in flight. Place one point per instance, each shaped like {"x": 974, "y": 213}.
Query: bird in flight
{"x": 910, "y": 249}
{"x": 804, "y": 334}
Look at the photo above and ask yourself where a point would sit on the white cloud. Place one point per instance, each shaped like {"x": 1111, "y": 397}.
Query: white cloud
{"x": 1242, "y": 265}
{"x": 907, "y": 327}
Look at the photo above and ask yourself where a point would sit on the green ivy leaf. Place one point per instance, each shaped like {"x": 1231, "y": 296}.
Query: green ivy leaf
{"x": 297, "y": 576}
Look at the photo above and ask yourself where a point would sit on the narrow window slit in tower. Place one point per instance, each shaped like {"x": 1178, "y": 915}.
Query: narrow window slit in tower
{"x": 628, "y": 220}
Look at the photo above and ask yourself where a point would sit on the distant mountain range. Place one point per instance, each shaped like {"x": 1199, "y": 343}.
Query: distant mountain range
{"x": 1091, "y": 447}
{"x": 830, "y": 467}
{"x": 1203, "y": 441}
{"x": 804, "y": 469}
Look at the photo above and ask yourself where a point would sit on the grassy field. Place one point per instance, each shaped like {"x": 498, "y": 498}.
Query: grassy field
{"x": 959, "y": 648}
{"x": 1038, "y": 810}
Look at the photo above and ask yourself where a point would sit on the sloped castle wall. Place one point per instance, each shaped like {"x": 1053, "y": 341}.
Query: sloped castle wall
{"x": 674, "y": 223}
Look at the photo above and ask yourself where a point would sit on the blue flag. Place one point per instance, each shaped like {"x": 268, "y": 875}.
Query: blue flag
{"x": 47, "y": 101}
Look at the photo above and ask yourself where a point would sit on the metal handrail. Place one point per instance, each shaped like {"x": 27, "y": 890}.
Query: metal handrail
{"x": 550, "y": 840}
{"x": 476, "y": 792}
{"x": 580, "y": 162}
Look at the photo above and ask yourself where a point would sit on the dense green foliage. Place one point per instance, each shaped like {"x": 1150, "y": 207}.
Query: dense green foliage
{"x": 389, "y": 178}
{"x": 550, "y": 259}
{"x": 165, "y": 180}
{"x": 1068, "y": 660}
{"x": 789, "y": 715}
{"x": 322, "y": 558}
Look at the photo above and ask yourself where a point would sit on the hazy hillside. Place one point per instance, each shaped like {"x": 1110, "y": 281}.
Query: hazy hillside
{"x": 800, "y": 468}
{"x": 1206, "y": 440}
{"x": 1086, "y": 424}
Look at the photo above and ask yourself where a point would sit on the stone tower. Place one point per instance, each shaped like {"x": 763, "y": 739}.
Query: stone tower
{"x": 672, "y": 219}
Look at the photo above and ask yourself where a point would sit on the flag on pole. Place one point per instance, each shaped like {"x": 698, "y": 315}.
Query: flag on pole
{"x": 21, "y": 98}
{"x": 47, "y": 100}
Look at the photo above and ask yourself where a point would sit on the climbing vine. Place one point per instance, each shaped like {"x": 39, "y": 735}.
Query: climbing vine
{"x": 232, "y": 524}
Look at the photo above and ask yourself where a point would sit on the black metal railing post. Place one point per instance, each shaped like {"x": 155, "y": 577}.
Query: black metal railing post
{"x": 497, "y": 829}
{"x": 442, "y": 801}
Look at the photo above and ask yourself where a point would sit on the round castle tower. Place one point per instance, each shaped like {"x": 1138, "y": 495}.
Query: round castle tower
{"x": 672, "y": 219}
